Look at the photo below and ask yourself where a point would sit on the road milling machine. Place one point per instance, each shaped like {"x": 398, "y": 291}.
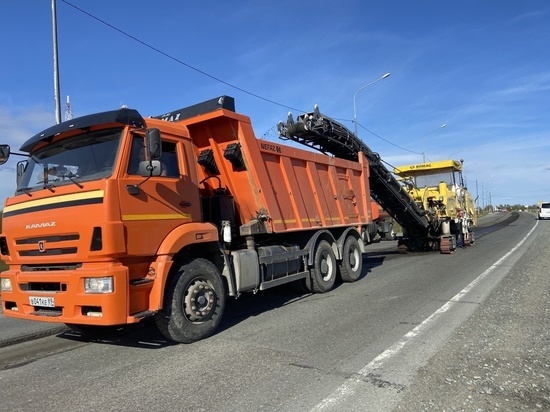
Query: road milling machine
{"x": 429, "y": 201}
{"x": 438, "y": 188}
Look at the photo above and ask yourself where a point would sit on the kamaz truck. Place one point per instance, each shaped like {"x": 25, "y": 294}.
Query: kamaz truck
{"x": 118, "y": 217}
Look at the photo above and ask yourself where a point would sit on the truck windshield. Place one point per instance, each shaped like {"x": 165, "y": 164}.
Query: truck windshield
{"x": 80, "y": 158}
{"x": 431, "y": 179}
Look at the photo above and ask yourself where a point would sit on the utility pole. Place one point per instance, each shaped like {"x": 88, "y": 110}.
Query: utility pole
{"x": 55, "y": 65}
{"x": 477, "y": 196}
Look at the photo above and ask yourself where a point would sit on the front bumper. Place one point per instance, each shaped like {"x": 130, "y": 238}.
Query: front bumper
{"x": 59, "y": 296}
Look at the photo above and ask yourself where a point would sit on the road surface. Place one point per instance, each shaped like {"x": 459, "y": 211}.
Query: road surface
{"x": 422, "y": 331}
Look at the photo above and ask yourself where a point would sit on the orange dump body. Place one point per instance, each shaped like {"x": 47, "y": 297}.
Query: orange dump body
{"x": 292, "y": 188}
{"x": 378, "y": 212}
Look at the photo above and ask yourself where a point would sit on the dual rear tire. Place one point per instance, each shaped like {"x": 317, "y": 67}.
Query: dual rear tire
{"x": 325, "y": 268}
{"x": 351, "y": 266}
{"x": 323, "y": 273}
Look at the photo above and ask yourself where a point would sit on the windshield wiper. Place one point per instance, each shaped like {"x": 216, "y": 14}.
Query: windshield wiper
{"x": 48, "y": 185}
{"x": 71, "y": 176}
{"x": 25, "y": 190}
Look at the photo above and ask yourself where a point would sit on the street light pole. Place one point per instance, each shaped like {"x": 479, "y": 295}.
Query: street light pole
{"x": 355, "y": 96}
{"x": 423, "y": 152}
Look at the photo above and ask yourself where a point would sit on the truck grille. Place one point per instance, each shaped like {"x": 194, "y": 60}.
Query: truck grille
{"x": 48, "y": 268}
{"x": 49, "y": 252}
{"x": 53, "y": 245}
{"x": 52, "y": 239}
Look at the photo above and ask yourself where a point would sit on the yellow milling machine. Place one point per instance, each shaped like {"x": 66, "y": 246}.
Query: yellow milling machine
{"x": 438, "y": 188}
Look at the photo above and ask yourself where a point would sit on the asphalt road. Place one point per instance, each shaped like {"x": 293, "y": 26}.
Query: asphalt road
{"x": 383, "y": 343}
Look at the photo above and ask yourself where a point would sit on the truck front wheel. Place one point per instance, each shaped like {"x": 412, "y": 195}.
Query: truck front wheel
{"x": 193, "y": 304}
{"x": 323, "y": 273}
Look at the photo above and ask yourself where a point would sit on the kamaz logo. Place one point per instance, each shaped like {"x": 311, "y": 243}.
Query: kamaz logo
{"x": 39, "y": 225}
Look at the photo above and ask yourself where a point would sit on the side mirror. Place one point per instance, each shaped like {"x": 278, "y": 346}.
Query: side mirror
{"x": 4, "y": 153}
{"x": 147, "y": 168}
{"x": 154, "y": 146}
{"x": 19, "y": 171}
{"x": 152, "y": 168}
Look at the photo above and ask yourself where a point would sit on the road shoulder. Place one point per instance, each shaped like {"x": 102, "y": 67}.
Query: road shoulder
{"x": 500, "y": 358}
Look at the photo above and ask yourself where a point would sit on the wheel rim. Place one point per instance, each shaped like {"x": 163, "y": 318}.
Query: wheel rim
{"x": 200, "y": 299}
{"x": 354, "y": 258}
{"x": 327, "y": 266}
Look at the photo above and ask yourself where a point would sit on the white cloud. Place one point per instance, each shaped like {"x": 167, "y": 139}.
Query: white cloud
{"x": 16, "y": 126}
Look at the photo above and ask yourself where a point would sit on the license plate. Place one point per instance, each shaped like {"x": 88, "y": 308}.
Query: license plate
{"x": 42, "y": 301}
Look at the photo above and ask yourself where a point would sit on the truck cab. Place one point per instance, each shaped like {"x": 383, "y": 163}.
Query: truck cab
{"x": 92, "y": 205}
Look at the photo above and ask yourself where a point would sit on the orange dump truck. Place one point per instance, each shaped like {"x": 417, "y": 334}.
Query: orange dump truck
{"x": 118, "y": 217}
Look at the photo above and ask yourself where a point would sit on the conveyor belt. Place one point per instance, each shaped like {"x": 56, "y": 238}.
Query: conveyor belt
{"x": 332, "y": 138}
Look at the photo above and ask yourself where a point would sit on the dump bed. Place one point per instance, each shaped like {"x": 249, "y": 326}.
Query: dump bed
{"x": 284, "y": 187}
{"x": 322, "y": 133}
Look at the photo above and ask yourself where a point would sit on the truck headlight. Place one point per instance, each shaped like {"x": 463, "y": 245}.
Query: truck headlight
{"x": 5, "y": 284}
{"x": 98, "y": 285}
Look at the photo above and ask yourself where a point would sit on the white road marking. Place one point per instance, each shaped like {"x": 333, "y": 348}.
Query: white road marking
{"x": 346, "y": 389}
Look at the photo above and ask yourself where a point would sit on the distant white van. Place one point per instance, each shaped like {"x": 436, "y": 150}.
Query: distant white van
{"x": 544, "y": 211}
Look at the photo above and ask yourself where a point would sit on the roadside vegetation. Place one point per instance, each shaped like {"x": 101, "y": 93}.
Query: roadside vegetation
{"x": 513, "y": 208}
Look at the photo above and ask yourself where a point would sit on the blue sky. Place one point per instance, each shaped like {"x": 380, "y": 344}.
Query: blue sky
{"x": 480, "y": 67}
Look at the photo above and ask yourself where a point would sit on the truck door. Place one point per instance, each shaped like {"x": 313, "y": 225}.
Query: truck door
{"x": 162, "y": 202}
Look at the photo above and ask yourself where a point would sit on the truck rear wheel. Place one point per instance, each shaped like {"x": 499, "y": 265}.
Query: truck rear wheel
{"x": 390, "y": 234}
{"x": 193, "y": 304}
{"x": 323, "y": 273}
{"x": 352, "y": 260}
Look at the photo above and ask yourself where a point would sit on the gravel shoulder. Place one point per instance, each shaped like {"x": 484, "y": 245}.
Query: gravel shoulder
{"x": 499, "y": 360}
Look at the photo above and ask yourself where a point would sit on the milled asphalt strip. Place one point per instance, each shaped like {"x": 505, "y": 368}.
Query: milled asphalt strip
{"x": 20, "y": 336}
{"x": 367, "y": 373}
